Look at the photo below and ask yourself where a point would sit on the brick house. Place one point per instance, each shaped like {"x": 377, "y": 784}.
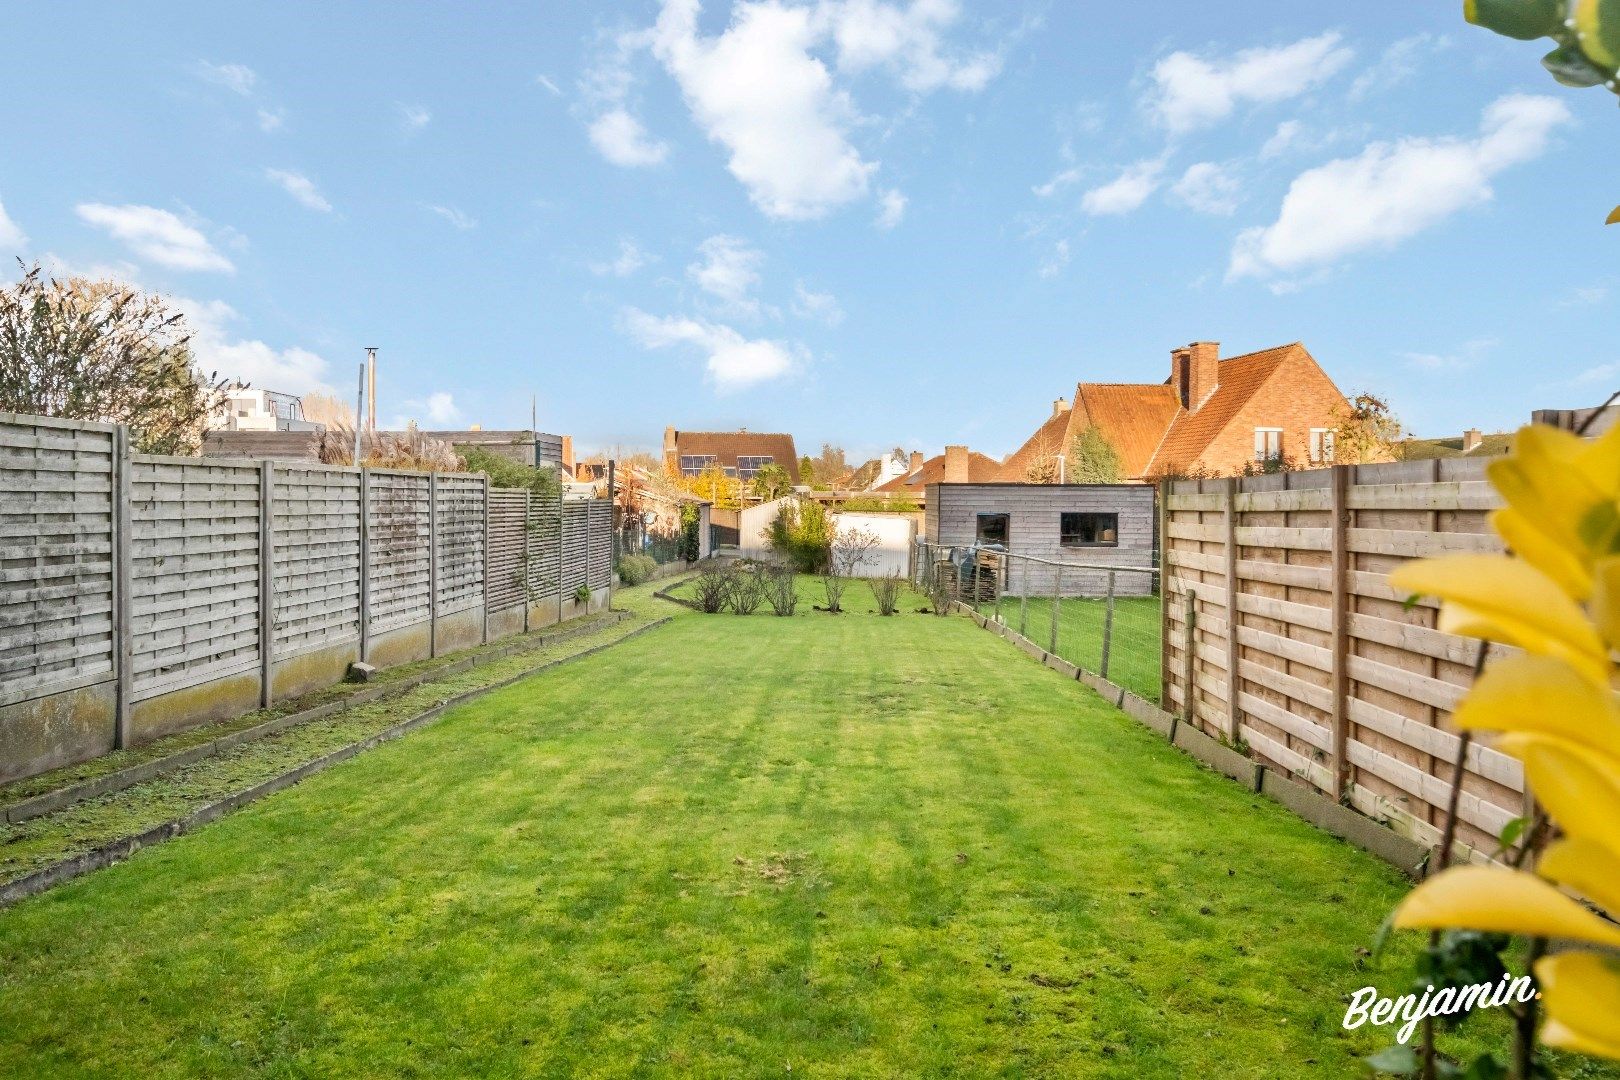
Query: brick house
{"x": 1211, "y": 415}
{"x": 957, "y": 465}
{"x": 737, "y": 453}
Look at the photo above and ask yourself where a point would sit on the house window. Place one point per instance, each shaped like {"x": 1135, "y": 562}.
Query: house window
{"x": 993, "y": 529}
{"x": 1089, "y": 530}
{"x": 1267, "y": 444}
{"x": 1321, "y": 444}
{"x": 695, "y": 464}
{"x": 749, "y": 464}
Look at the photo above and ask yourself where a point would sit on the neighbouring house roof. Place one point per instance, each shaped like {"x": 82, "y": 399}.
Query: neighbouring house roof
{"x": 1145, "y": 422}
{"x": 1423, "y": 449}
{"x": 726, "y": 446}
{"x": 981, "y": 470}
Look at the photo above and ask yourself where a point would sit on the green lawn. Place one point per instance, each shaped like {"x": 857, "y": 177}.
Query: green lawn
{"x": 1135, "y": 648}
{"x": 845, "y": 846}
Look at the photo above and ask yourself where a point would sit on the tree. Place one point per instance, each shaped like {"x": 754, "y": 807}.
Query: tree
{"x": 771, "y": 482}
{"x": 1093, "y": 459}
{"x": 1045, "y": 463}
{"x": 1585, "y": 33}
{"x": 849, "y": 551}
{"x": 801, "y": 532}
{"x": 1365, "y": 431}
{"x": 103, "y": 351}
{"x": 713, "y": 485}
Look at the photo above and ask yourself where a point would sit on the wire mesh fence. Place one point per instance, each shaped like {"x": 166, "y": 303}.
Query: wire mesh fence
{"x": 1104, "y": 619}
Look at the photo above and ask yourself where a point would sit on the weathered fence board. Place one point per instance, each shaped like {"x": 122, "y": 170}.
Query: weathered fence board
{"x": 1341, "y": 682}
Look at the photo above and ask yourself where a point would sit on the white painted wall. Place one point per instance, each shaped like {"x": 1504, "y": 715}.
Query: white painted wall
{"x": 895, "y": 533}
{"x": 753, "y": 525}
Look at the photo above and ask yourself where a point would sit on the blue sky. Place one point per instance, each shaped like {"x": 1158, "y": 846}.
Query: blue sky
{"x": 864, "y": 222}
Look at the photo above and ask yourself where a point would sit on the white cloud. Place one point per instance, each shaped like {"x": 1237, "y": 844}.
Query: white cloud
{"x": 414, "y": 118}
{"x": 12, "y": 238}
{"x": 156, "y": 236}
{"x": 1392, "y": 191}
{"x": 728, "y": 269}
{"x": 290, "y": 371}
{"x": 891, "y": 209}
{"x": 630, "y": 259}
{"x": 1054, "y": 263}
{"x": 1586, "y": 296}
{"x": 1208, "y": 188}
{"x": 1601, "y": 373}
{"x": 440, "y": 408}
{"x": 1058, "y": 182}
{"x": 545, "y": 81}
{"x": 1398, "y": 63}
{"x": 1286, "y": 136}
{"x": 1193, "y": 91}
{"x": 1465, "y": 356}
{"x": 756, "y": 90}
{"x": 237, "y": 78}
{"x": 456, "y": 217}
{"x": 623, "y": 140}
{"x": 907, "y": 41}
{"x": 814, "y": 305}
{"x": 733, "y": 361}
{"x": 1129, "y": 190}
{"x": 271, "y": 119}
{"x": 300, "y": 187}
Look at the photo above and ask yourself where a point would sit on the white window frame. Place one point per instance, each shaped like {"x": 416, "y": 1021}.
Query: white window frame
{"x": 1321, "y": 445}
{"x": 1261, "y": 439}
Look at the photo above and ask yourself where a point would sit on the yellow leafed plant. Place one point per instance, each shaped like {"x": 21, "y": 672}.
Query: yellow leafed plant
{"x": 1556, "y": 597}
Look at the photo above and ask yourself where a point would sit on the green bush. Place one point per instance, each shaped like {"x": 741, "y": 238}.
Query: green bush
{"x": 880, "y": 504}
{"x": 583, "y": 594}
{"x": 802, "y": 534}
{"x": 635, "y": 569}
{"x": 503, "y": 472}
{"x": 691, "y": 521}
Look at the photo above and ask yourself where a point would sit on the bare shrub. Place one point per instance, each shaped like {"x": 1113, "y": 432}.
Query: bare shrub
{"x": 782, "y": 590}
{"x": 409, "y": 449}
{"x": 851, "y": 548}
{"x": 713, "y": 588}
{"x": 886, "y": 591}
{"x": 941, "y": 585}
{"x": 747, "y": 588}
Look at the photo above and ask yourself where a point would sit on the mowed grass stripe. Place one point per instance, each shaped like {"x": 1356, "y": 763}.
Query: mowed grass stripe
{"x": 856, "y": 845}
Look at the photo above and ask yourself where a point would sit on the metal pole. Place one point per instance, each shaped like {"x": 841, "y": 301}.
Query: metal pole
{"x": 359, "y": 411}
{"x": 1108, "y": 625}
{"x": 1057, "y": 602}
{"x": 1023, "y": 604}
{"x": 371, "y": 390}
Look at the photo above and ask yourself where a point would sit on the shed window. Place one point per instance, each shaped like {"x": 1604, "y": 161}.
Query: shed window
{"x": 993, "y": 529}
{"x": 1089, "y": 530}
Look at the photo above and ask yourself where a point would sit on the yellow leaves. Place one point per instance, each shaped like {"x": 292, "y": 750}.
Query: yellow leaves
{"x": 1541, "y": 696}
{"x": 1580, "y": 992}
{"x": 1614, "y": 217}
{"x": 1579, "y": 786}
{"x": 1508, "y": 600}
{"x": 1500, "y": 901}
{"x": 1586, "y": 866}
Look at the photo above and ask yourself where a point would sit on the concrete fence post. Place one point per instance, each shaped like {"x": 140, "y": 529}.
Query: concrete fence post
{"x": 122, "y": 589}
{"x": 561, "y": 535}
{"x": 484, "y": 566}
{"x": 528, "y": 549}
{"x": 365, "y": 565}
{"x": 1108, "y": 626}
{"x": 433, "y": 564}
{"x": 267, "y": 580}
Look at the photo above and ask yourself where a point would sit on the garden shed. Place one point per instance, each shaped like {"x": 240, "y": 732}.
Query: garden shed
{"x": 1088, "y": 527}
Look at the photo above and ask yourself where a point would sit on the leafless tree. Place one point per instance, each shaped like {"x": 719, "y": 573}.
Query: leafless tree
{"x": 851, "y": 549}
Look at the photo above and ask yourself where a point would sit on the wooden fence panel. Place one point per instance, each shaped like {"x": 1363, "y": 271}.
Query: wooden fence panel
{"x": 397, "y": 540}
{"x": 508, "y": 525}
{"x": 1338, "y": 680}
{"x": 316, "y": 593}
{"x": 194, "y": 571}
{"x": 56, "y": 556}
{"x": 599, "y": 574}
{"x": 574, "y": 545}
{"x": 544, "y": 546}
{"x": 459, "y": 533}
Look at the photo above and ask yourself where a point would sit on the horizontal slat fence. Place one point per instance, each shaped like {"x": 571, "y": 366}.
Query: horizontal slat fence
{"x": 141, "y": 595}
{"x": 1278, "y": 585}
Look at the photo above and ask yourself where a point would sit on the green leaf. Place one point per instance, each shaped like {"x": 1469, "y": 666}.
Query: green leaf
{"x": 1397, "y": 1060}
{"x": 1522, "y": 19}
{"x": 1512, "y": 831}
{"x": 1597, "y": 27}
{"x": 1571, "y": 67}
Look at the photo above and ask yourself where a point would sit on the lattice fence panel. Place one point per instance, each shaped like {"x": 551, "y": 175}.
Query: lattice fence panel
{"x": 575, "y": 542}
{"x": 543, "y": 545}
{"x": 460, "y": 532}
{"x": 508, "y": 522}
{"x": 316, "y": 591}
{"x": 599, "y": 575}
{"x": 398, "y": 555}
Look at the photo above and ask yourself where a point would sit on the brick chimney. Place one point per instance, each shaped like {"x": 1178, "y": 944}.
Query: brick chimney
{"x": 916, "y": 463}
{"x": 568, "y": 454}
{"x": 1060, "y": 405}
{"x": 956, "y": 465}
{"x": 1194, "y": 372}
{"x": 1471, "y": 439}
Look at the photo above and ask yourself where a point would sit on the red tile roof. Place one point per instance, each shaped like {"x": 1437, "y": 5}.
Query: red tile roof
{"x": 981, "y": 470}
{"x": 1238, "y": 380}
{"x": 726, "y": 446}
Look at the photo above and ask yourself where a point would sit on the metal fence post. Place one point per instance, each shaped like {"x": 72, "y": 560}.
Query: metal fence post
{"x": 1187, "y": 657}
{"x": 267, "y": 579}
{"x": 365, "y": 566}
{"x": 1108, "y": 626}
{"x": 433, "y": 564}
{"x": 1057, "y": 603}
{"x": 122, "y": 542}
{"x": 1023, "y": 603}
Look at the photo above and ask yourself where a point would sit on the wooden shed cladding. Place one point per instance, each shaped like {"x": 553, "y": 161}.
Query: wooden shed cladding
{"x": 1338, "y": 681}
